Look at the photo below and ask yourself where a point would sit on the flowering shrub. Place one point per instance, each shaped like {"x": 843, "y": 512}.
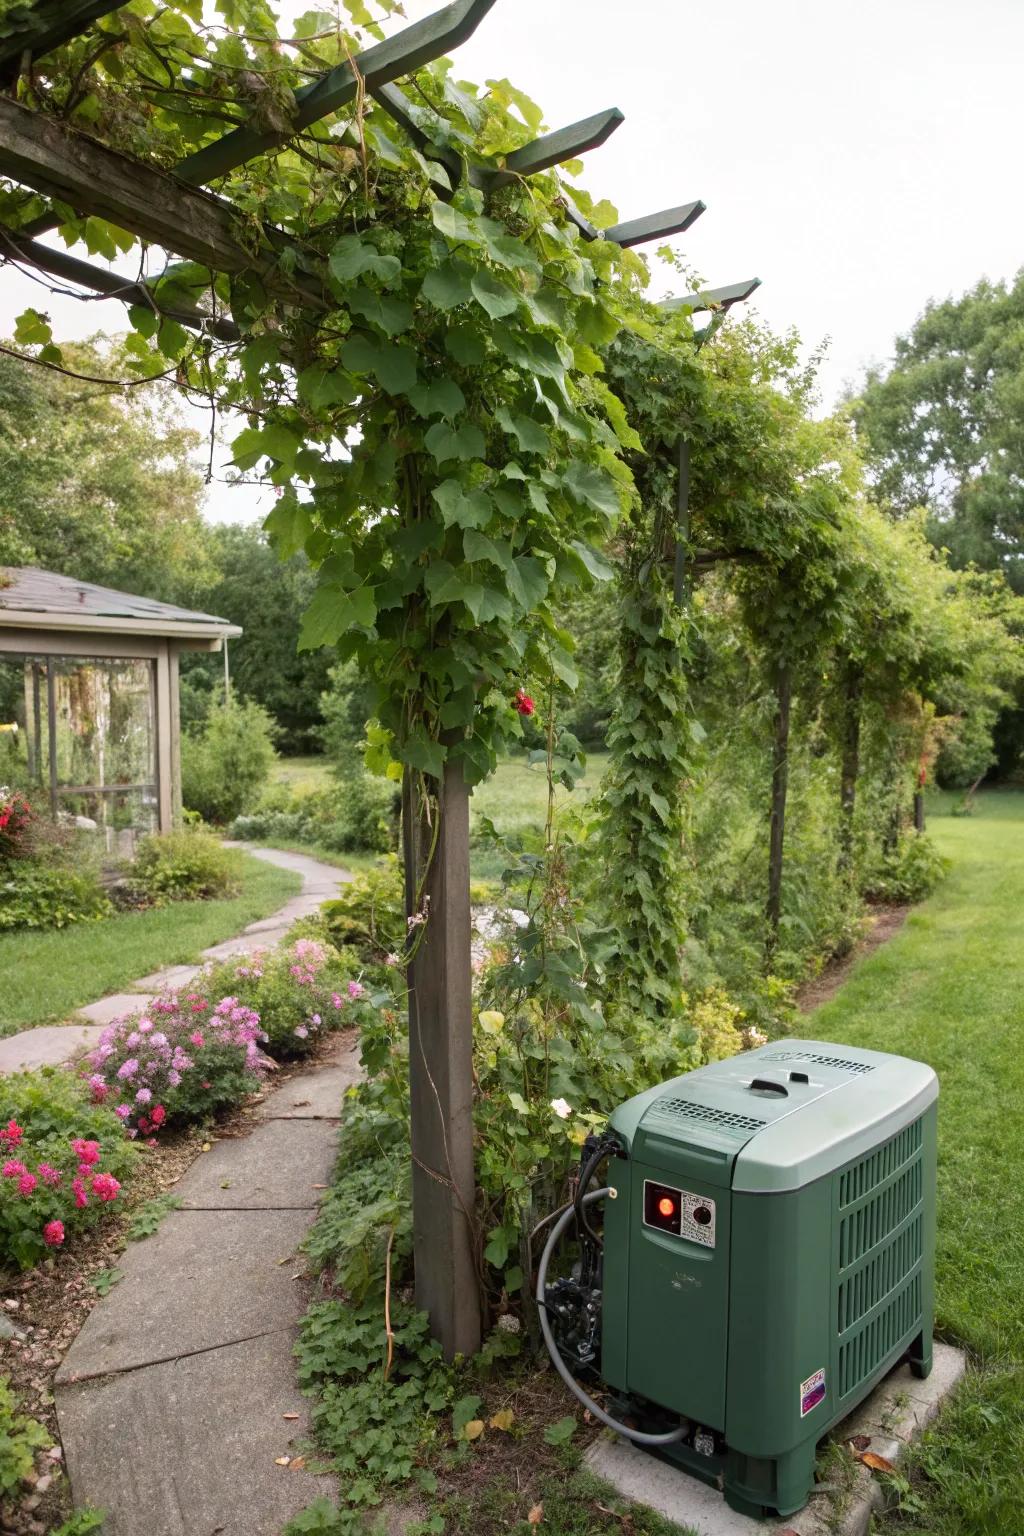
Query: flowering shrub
{"x": 182, "y": 1060}
{"x": 16, "y": 816}
{"x": 63, "y": 1160}
{"x": 298, "y": 992}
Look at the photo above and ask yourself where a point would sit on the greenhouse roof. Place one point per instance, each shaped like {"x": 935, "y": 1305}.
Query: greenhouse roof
{"x": 33, "y": 598}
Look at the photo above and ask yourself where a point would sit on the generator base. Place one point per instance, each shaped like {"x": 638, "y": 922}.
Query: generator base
{"x": 752, "y": 1485}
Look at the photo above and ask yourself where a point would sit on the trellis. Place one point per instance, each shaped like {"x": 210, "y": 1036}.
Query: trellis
{"x": 173, "y": 210}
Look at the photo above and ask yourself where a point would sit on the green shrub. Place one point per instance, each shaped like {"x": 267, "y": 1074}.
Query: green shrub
{"x": 41, "y": 895}
{"x": 227, "y": 761}
{"x": 357, "y": 814}
{"x": 20, "y": 1439}
{"x": 185, "y": 866}
{"x": 368, "y": 914}
{"x": 299, "y": 993}
{"x": 47, "y": 1181}
{"x": 910, "y": 873}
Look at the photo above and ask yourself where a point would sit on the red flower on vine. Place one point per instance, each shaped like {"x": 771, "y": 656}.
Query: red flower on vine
{"x": 523, "y": 703}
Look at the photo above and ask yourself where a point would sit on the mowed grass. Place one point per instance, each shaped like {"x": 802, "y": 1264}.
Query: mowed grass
{"x": 515, "y": 798}
{"x": 302, "y": 774}
{"x": 44, "y": 977}
{"x": 949, "y": 990}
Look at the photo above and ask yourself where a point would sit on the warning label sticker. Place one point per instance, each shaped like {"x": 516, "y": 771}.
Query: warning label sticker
{"x": 812, "y": 1391}
{"x": 697, "y": 1219}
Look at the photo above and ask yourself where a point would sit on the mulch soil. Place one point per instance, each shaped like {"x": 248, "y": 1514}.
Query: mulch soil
{"x": 885, "y": 923}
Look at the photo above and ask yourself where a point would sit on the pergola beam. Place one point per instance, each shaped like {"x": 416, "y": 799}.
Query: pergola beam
{"x": 51, "y": 23}
{"x": 43, "y": 154}
{"x": 108, "y": 285}
{"x": 408, "y": 50}
{"x": 557, "y": 147}
{"x": 656, "y": 226}
{"x": 712, "y": 298}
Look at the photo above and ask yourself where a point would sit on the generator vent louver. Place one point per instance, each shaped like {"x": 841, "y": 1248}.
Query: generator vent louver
{"x": 821, "y": 1061}
{"x": 683, "y": 1109}
{"x": 861, "y": 1355}
{"x": 880, "y": 1276}
{"x": 872, "y": 1222}
{"x": 866, "y": 1175}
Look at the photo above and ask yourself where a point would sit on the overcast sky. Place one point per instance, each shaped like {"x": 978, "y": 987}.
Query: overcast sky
{"x": 858, "y": 158}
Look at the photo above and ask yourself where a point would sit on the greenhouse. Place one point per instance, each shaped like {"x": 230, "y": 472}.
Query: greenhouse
{"x": 89, "y": 699}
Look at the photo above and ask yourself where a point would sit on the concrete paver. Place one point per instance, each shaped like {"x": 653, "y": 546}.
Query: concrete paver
{"x": 278, "y": 1166}
{"x": 116, "y": 1006}
{"x": 189, "y": 1447}
{"x": 205, "y": 1278}
{"x": 49, "y": 1046}
{"x": 315, "y": 1095}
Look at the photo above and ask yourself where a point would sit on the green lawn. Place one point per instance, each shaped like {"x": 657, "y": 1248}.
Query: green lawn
{"x": 44, "y": 977}
{"x": 948, "y": 990}
{"x": 301, "y": 774}
{"x": 515, "y": 799}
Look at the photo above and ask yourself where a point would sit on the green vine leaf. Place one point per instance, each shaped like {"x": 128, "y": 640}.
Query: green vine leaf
{"x": 447, "y": 443}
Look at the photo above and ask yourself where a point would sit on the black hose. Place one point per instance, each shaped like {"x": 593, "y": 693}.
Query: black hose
{"x": 549, "y": 1339}
{"x": 590, "y": 1167}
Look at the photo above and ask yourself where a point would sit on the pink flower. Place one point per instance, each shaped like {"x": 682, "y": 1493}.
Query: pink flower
{"x": 105, "y": 1186}
{"x": 196, "y": 1039}
{"x": 336, "y": 1001}
{"x": 53, "y": 1234}
{"x": 123, "y": 1111}
{"x": 49, "y": 1175}
{"x": 301, "y": 1031}
{"x": 26, "y": 1184}
{"x": 316, "y": 1018}
{"x": 78, "y": 1188}
{"x": 128, "y": 1068}
{"x": 143, "y": 1096}
{"x": 12, "y": 1135}
{"x": 99, "y": 1087}
{"x": 173, "y": 1078}
{"x": 356, "y": 989}
{"x": 87, "y": 1152}
{"x": 13, "y": 1169}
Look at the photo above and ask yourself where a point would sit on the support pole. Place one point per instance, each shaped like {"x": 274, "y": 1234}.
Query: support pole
{"x": 51, "y": 728}
{"x": 441, "y": 1062}
{"x": 780, "y": 785}
{"x": 680, "y": 588}
{"x": 227, "y": 673}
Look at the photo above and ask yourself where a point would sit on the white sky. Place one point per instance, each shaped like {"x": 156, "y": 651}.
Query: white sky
{"x": 858, "y": 158}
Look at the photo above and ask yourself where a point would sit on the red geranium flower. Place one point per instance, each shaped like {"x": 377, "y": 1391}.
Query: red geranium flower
{"x": 523, "y": 703}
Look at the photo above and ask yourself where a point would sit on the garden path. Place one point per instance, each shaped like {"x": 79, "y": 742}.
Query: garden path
{"x": 57, "y": 1043}
{"x": 177, "y": 1404}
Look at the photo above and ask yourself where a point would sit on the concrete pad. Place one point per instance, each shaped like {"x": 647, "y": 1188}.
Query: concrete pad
{"x": 894, "y": 1415}
{"x": 188, "y": 1448}
{"x": 314, "y": 1095}
{"x": 49, "y": 1046}
{"x": 169, "y": 980}
{"x": 275, "y": 1168}
{"x": 204, "y": 1279}
{"x": 246, "y": 943}
{"x": 116, "y": 1006}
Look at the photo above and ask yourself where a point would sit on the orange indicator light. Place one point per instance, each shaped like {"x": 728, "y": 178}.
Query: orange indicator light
{"x": 666, "y": 1207}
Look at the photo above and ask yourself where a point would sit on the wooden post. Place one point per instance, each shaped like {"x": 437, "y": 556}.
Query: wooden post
{"x": 918, "y": 810}
{"x": 780, "y": 784}
{"x": 850, "y": 765}
{"x": 51, "y": 730}
{"x": 175, "y": 670}
{"x": 441, "y": 1064}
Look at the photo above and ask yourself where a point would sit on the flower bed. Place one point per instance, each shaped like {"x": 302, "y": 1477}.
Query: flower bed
{"x": 184, "y": 1059}
{"x": 62, "y": 1162}
{"x": 299, "y": 993}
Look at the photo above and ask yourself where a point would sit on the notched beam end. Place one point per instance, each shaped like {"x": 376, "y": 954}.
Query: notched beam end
{"x": 712, "y": 298}
{"x": 656, "y": 226}
{"x": 561, "y": 145}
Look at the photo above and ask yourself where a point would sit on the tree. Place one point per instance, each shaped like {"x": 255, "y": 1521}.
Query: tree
{"x": 943, "y": 428}
{"x": 99, "y": 481}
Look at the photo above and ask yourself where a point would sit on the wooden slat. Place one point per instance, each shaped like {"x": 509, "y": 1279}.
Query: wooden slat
{"x": 100, "y": 281}
{"x": 555, "y": 148}
{"x": 712, "y": 298}
{"x": 408, "y": 50}
{"x": 41, "y": 153}
{"x": 52, "y": 22}
{"x": 656, "y": 226}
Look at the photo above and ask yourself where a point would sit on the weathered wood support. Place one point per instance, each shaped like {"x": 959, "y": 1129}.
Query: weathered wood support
{"x": 441, "y": 1062}
{"x": 42, "y": 153}
{"x": 49, "y": 24}
{"x": 780, "y": 786}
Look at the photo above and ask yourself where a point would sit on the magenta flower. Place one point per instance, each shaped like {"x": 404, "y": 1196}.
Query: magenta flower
{"x": 78, "y": 1189}
{"x": 53, "y": 1234}
{"x": 13, "y": 1169}
{"x": 87, "y": 1152}
{"x": 49, "y": 1175}
{"x": 26, "y": 1184}
{"x": 105, "y": 1186}
{"x": 356, "y": 989}
{"x": 123, "y": 1111}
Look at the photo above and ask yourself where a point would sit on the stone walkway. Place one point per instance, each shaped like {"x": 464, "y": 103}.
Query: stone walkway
{"x": 177, "y": 1400}
{"x": 53, "y": 1044}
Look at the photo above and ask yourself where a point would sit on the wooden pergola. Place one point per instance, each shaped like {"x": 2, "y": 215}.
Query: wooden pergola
{"x": 173, "y": 210}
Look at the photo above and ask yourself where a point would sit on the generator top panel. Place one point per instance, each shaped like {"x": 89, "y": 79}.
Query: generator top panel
{"x": 779, "y": 1117}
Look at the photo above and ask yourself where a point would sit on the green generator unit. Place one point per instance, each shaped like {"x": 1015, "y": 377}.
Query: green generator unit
{"x": 767, "y": 1256}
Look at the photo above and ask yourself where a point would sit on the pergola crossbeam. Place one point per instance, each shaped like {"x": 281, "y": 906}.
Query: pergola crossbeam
{"x": 555, "y": 148}
{"x": 109, "y": 285}
{"x": 41, "y": 153}
{"x": 408, "y": 50}
{"x": 656, "y": 226}
{"x": 50, "y": 24}
{"x": 712, "y": 298}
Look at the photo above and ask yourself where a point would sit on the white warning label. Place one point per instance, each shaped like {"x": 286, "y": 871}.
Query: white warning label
{"x": 697, "y": 1219}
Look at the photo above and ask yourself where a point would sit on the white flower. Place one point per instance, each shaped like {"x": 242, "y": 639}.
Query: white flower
{"x": 561, "y": 1108}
